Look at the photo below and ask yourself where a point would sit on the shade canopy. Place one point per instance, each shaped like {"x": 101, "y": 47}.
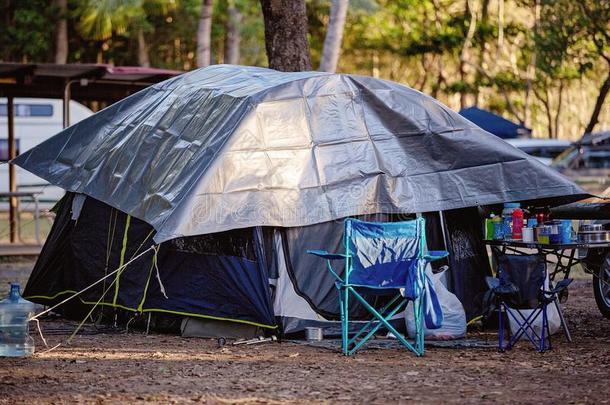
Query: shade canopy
{"x": 227, "y": 147}
{"x": 87, "y": 82}
{"x": 494, "y": 123}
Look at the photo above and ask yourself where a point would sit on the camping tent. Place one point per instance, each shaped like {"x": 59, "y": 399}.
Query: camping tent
{"x": 494, "y": 123}
{"x": 234, "y": 171}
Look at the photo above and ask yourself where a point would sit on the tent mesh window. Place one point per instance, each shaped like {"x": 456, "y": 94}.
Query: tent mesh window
{"x": 237, "y": 242}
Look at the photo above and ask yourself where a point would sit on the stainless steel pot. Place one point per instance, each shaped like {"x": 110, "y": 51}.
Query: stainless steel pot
{"x": 313, "y": 334}
{"x": 594, "y": 236}
{"x": 590, "y": 228}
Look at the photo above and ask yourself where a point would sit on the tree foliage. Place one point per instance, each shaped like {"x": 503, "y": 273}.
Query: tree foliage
{"x": 545, "y": 63}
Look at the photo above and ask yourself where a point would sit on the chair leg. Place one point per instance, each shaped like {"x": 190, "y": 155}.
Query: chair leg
{"x": 564, "y": 325}
{"x": 526, "y": 327}
{"x": 419, "y": 326}
{"x": 548, "y": 332}
{"x": 342, "y": 313}
{"x": 544, "y": 329}
{"x": 344, "y": 321}
{"x": 355, "y": 345}
{"x": 385, "y": 323}
{"x": 500, "y": 328}
{"x": 369, "y": 324}
{"x": 416, "y": 319}
{"x": 345, "y": 324}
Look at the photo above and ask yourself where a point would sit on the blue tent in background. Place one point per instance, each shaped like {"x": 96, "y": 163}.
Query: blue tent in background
{"x": 494, "y": 123}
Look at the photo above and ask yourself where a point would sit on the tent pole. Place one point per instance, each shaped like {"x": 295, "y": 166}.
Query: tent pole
{"x": 447, "y": 242}
{"x": 444, "y": 230}
{"x": 12, "y": 177}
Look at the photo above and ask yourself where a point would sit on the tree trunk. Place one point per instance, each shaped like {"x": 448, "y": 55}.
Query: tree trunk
{"x": 334, "y": 36}
{"x": 424, "y": 75}
{"x": 465, "y": 51}
{"x": 100, "y": 53}
{"x": 61, "y": 33}
{"x": 233, "y": 35}
{"x": 440, "y": 80}
{"x": 549, "y": 115}
{"x": 500, "y": 27}
{"x": 143, "y": 59}
{"x": 482, "y": 44}
{"x": 204, "y": 34}
{"x": 559, "y": 106}
{"x": 375, "y": 64}
{"x": 546, "y": 103}
{"x": 286, "y": 35}
{"x": 531, "y": 72}
{"x": 599, "y": 103}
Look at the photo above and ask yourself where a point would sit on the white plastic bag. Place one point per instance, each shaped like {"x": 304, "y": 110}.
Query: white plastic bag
{"x": 551, "y": 311}
{"x": 454, "y": 317}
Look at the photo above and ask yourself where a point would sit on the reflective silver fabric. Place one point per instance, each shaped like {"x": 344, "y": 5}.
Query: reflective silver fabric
{"x": 230, "y": 146}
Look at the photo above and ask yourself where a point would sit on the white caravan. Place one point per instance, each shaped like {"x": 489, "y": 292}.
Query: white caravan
{"x": 36, "y": 120}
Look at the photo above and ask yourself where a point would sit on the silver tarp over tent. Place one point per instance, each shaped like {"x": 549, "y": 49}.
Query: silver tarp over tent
{"x": 230, "y": 146}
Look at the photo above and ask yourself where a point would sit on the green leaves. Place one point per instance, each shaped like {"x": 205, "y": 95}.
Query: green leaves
{"x": 572, "y": 36}
{"x": 100, "y": 19}
{"x": 24, "y": 35}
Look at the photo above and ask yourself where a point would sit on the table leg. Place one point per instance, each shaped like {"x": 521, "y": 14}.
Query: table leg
{"x": 571, "y": 263}
{"x": 560, "y": 267}
{"x": 566, "y": 270}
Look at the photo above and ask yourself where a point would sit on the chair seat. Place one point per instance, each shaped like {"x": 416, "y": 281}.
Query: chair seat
{"x": 368, "y": 290}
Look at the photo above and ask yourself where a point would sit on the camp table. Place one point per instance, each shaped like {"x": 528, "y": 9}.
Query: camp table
{"x": 560, "y": 251}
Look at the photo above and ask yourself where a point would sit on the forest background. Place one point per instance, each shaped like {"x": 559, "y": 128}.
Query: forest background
{"x": 542, "y": 63}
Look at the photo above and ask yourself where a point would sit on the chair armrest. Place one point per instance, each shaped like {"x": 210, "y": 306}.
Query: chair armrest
{"x": 561, "y": 285}
{"x": 436, "y": 255}
{"x": 492, "y": 282}
{"x": 501, "y": 289}
{"x": 328, "y": 256}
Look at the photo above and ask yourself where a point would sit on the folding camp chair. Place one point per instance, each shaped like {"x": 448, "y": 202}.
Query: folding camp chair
{"x": 522, "y": 284}
{"x": 381, "y": 258}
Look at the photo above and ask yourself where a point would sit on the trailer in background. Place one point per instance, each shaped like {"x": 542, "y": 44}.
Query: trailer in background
{"x": 36, "y": 120}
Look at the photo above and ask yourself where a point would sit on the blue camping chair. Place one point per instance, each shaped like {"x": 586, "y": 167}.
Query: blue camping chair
{"x": 520, "y": 284}
{"x": 380, "y": 259}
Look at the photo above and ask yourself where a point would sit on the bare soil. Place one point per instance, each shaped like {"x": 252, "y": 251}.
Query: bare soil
{"x": 138, "y": 368}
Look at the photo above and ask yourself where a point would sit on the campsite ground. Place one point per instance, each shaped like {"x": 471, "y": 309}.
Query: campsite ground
{"x": 132, "y": 368}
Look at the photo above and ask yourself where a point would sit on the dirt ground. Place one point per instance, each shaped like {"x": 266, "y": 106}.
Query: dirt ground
{"x": 137, "y": 368}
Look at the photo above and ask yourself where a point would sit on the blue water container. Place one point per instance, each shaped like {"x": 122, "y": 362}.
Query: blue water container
{"x": 15, "y": 312}
{"x": 567, "y": 234}
{"x": 507, "y": 219}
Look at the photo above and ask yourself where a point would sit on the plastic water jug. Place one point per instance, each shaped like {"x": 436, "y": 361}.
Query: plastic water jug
{"x": 15, "y": 340}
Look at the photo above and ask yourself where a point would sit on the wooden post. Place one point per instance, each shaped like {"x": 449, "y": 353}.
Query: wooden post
{"x": 12, "y": 178}
{"x": 66, "y": 104}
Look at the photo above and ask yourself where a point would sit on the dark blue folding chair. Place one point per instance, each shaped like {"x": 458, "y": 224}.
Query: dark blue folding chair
{"x": 381, "y": 258}
{"x": 521, "y": 284}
